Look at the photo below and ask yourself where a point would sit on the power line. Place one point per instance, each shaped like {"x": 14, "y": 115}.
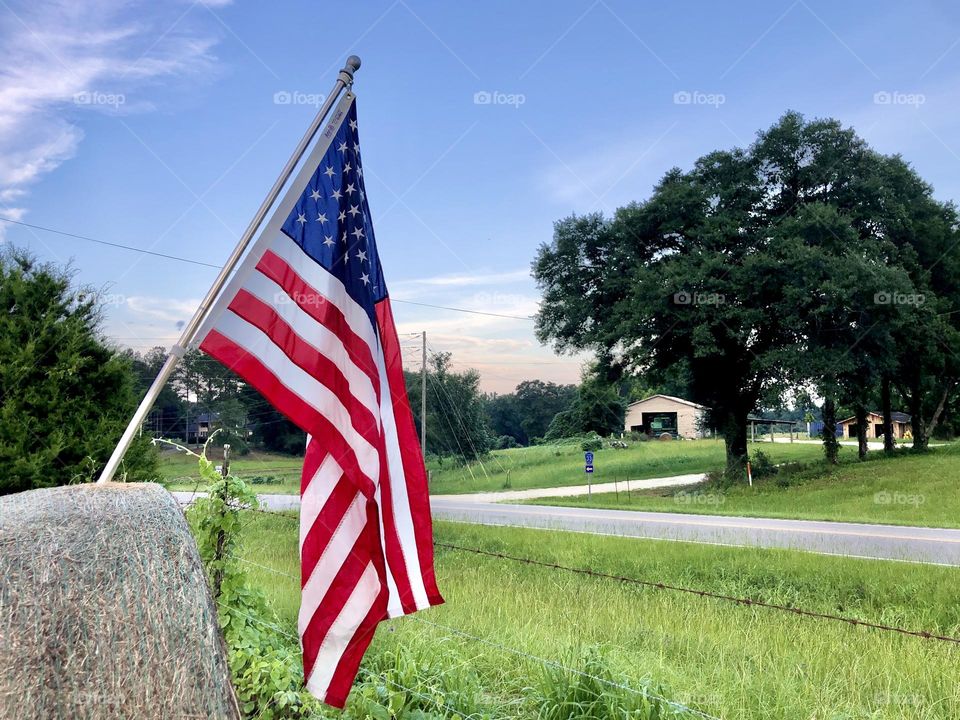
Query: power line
{"x": 464, "y": 310}
{"x": 217, "y": 267}
{"x": 108, "y": 244}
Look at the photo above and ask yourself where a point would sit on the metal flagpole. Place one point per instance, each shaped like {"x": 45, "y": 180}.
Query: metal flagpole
{"x": 345, "y": 79}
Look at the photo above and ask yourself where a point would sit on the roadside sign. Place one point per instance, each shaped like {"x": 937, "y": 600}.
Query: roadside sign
{"x": 589, "y": 468}
{"x": 588, "y": 457}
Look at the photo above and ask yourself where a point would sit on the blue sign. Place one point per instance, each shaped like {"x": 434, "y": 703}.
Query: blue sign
{"x": 589, "y": 468}
{"x": 588, "y": 457}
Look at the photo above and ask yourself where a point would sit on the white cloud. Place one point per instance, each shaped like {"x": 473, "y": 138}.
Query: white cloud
{"x": 61, "y": 58}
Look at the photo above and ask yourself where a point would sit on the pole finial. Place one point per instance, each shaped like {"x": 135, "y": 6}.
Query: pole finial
{"x": 351, "y": 66}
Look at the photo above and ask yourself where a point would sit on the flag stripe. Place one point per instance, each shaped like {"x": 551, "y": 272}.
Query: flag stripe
{"x": 329, "y": 313}
{"x": 320, "y": 336}
{"x": 326, "y": 524}
{"x": 289, "y": 403}
{"x": 317, "y": 491}
{"x": 310, "y": 359}
{"x": 323, "y": 401}
{"x": 412, "y": 494}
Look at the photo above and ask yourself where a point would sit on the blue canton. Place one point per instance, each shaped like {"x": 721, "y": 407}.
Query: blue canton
{"x": 331, "y": 220}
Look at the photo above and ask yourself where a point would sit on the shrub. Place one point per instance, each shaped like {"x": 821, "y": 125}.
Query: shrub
{"x": 591, "y": 444}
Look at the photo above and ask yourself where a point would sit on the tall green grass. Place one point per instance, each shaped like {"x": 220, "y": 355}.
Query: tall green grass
{"x": 726, "y": 660}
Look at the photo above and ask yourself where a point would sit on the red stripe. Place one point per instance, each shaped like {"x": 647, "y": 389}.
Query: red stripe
{"x": 365, "y": 551}
{"x": 323, "y": 528}
{"x": 314, "y": 362}
{"x": 392, "y": 546}
{"x": 346, "y": 671}
{"x": 414, "y": 472}
{"x": 325, "y": 313}
{"x": 305, "y": 416}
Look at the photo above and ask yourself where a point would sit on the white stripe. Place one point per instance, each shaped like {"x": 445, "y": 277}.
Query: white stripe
{"x": 334, "y": 555}
{"x": 393, "y": 595}
{"x": 403, "y": 519}
{"x": 256, "y": 343}
{"x": 317, "y": 493}
{"x": 342, "y": 631}
{"x": 328, "y": 285}
{"x": 316, "y": 335}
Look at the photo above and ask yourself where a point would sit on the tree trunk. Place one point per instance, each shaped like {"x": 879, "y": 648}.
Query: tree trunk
{"x": 935, "y": 420}
{"x": 735, "y": 439}
{"x": 861, "y": 413}
{"x": 887, "y": 411}
{"x": 917, "y": 425}
{"x": 830, "y": 444}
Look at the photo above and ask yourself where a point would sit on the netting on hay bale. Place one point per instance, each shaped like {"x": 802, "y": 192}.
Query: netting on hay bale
{"x": 105, "y": 610}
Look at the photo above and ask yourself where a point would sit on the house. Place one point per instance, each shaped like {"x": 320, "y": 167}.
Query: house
{"x": 901, "y": 425}
{"x": 660, "y": 414}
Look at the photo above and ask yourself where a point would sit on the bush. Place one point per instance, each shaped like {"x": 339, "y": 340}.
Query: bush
{"x": 591, "y": 444}
{"x": 761, "y": 465}
{"x": 505, "y": 442}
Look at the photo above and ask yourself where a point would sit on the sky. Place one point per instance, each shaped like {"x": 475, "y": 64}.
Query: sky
{"x": 162, "y": 125}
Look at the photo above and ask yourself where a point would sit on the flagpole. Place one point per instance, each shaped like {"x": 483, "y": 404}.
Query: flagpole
{"x": 344, "y": 80}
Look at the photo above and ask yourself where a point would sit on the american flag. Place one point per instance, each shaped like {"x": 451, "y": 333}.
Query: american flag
{"x": 307, "y": 321}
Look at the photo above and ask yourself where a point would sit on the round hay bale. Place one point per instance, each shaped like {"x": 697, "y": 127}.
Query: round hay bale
{"x": 105, "y": 610}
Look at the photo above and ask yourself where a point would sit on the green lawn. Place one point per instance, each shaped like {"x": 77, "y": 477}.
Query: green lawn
{"x": 559, "y": 465}
{"x": 534, "y": 467}
{"x": 726, "y": 660}
{"x": 907, "y": 489}
{"x": 270, "y": 472}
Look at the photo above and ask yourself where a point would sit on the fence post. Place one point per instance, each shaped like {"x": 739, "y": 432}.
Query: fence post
{"x": 221, "y": 534}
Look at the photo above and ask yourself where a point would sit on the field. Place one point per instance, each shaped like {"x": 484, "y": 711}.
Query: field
{"x": 723, "y": 659}
{"x": 907, "y": 489}
{"x": 534, "y": 467}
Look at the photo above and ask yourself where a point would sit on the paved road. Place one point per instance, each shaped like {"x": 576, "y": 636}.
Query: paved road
{"x": 891, "y": 542}
{"x": 872, "y": 541}
{"x": 574, "y": 490}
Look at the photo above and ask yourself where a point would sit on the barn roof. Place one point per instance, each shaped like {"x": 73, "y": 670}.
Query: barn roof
{"x": 670, "y": 397}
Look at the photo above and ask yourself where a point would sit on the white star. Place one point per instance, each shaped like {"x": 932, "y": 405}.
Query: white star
{"x": 356, "y": 147}
{"x": 329, "y": 171}
{"x": 358, "y": 232}
{"x": 321, "y": 217}
{"x": 354, "y": 210}
{"x": 365, "y": 278}
{"x": 301, "y": 218}
{"x": 342, "y": 216}
{"x": 347, "y": 168}
{"x": 350, "y": 189}
{"x": 363, "y": 196}
{"x": 362, "y": 255}
{"x": 360, "y": 171}
{"x": 328, "y": 240}
{"x": 346, "y": 256}
{"x": 343, "y": 147}
{"x": 336, "y": 195}
{"x": 344, "y": 238}
{"x": 353, "y": 124}
{"x": 315, "y": 195}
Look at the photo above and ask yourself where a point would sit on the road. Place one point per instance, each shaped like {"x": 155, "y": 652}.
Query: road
{"x": 888, "y": 542}
{"x": 916, "y": 544}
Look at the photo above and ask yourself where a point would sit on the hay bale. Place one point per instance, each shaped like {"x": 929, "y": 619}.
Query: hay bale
{"x": 105, "y": 610}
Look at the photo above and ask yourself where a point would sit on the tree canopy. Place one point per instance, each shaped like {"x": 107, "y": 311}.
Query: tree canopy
{"x": 65, "y": 395}
{"x": 798, "y": 260}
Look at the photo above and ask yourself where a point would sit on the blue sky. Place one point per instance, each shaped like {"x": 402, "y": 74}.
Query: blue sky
{"x": 162, "y": 125}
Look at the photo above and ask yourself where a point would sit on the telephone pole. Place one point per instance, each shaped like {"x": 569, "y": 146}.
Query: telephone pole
{"x": 423, "y": 399}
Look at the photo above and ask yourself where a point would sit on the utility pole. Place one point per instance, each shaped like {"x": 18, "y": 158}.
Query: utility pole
{"x": 423, "y": 399}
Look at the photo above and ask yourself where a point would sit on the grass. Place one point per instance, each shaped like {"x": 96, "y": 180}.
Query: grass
{"x": 907, "y": 489}
{"x": 271, "y": 472}
{"x": 519, "y": 468}
{"x": 726, "y": 660}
